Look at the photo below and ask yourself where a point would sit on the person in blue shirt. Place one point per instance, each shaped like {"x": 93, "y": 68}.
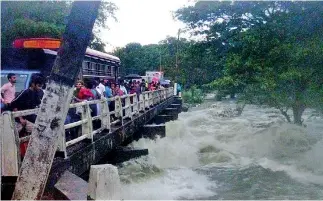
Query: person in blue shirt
{"x": 179, "y": 89}
{"x": 108, "y": 90}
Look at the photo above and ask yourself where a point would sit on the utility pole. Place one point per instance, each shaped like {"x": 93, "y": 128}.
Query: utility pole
{"x": 177, "y": 44}
{"x": 160, "y": 61}
{"x": 49, "y": 124}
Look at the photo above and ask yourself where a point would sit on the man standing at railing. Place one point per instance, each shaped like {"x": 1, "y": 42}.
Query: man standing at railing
{"x": 101, "y": 87}
{"x": 28, "y": 99}
{"x": 123, "y": 88}
{"x": 8, "y": 91}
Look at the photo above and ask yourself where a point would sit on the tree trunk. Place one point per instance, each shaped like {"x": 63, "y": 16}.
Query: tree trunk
{"x": 43, "y": 143}
{"x": 297, "y": 113}
{"x": 240, "y": 108}
{"x": 285, "y": 115}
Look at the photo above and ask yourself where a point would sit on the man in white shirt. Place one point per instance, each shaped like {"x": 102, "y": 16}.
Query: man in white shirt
{"x": 101, "y": 87}
{"x": 123, "y": 88}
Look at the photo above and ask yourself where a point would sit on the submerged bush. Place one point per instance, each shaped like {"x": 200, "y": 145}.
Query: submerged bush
{"x": 193, "y": 95}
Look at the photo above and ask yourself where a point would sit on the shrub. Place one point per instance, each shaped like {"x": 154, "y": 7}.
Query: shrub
{"x": 193, "y": 95}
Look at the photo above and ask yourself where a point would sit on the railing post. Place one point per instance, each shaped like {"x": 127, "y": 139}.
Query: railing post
{"x": 105, "y": 118}
{"x": 128, "y": 107}
{"x": 159, "y": 96}
{"x": 151, "y": 98}
{"x": 156, "y": 97}
{"x": 135, "y": 107}
{"x": 118, "y": 108}
{"x": 87, "y": 128}
{"x": 175, "y": 89}
{"x": 62, "y": 142}
{"x": 147, "y": 101}
{"x": 153, "y": 95}
{"x": 141, "y": 102}
{"x": 10, "y": 147}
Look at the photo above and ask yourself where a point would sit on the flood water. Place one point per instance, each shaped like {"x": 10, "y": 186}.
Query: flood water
{"x": 210, "y": 154}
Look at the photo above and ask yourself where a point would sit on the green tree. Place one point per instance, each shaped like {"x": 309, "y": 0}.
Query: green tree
{"x": 272, "y": 50}
{"x": 23, "y": 19}
{"x": 197, "y": 62}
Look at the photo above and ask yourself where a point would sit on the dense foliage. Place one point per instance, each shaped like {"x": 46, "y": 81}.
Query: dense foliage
{"x": 22, "y": 19}
{"x": 196, "y": 63}
{"x": 273, "y": 51}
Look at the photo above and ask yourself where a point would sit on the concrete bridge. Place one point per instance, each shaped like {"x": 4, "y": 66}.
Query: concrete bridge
{"x": 136, "y": 117}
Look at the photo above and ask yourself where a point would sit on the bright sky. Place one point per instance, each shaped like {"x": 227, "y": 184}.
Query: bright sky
{"x": 143, "y": 21}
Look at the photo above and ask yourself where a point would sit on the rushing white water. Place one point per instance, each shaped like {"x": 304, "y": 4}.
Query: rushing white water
{"x": 211, "y": 154}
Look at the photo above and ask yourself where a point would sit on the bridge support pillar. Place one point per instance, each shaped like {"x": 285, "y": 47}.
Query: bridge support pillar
{"x": 177, "y": 106}
{"x": 163, "y": 118}
{"x": 171, "y": 111}
{"x": 122, "y": 154}
{"x": 152, "y": 130}
{"x": 104, "y": 183}
{"x": 70, "y": 187}
{"x": 178, "y": 100}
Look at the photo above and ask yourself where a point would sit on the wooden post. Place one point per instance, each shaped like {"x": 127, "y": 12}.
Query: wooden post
{"x": 53, "y": 109}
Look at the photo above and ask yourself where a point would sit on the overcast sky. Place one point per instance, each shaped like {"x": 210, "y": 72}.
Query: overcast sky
{"x": 143, "y": 21}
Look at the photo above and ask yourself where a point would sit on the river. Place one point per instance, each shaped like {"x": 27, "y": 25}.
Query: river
{"x": 209, "y": 154}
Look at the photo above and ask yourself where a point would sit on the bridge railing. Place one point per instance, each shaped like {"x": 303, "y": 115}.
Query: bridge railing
{"x": 125, "y": 107}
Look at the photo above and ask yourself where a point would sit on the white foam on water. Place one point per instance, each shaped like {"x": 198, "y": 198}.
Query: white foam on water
{"x": 292, "y": 171}
{"x": 211, "y": 136}
{"x": 173, "y": 184}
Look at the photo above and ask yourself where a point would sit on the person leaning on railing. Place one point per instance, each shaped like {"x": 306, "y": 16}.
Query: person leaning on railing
{"x": 28, "y": 99}
{"x": 109, "y": 90}
{"x": 81, "y": 93}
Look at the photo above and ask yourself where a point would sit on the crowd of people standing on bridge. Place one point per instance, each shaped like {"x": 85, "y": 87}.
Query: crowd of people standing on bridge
{"x": 90, "y": 89}
{"x": 93, "y": 89}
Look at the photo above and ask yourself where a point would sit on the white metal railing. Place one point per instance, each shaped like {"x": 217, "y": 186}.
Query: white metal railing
{"x": 126, "y": 107}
